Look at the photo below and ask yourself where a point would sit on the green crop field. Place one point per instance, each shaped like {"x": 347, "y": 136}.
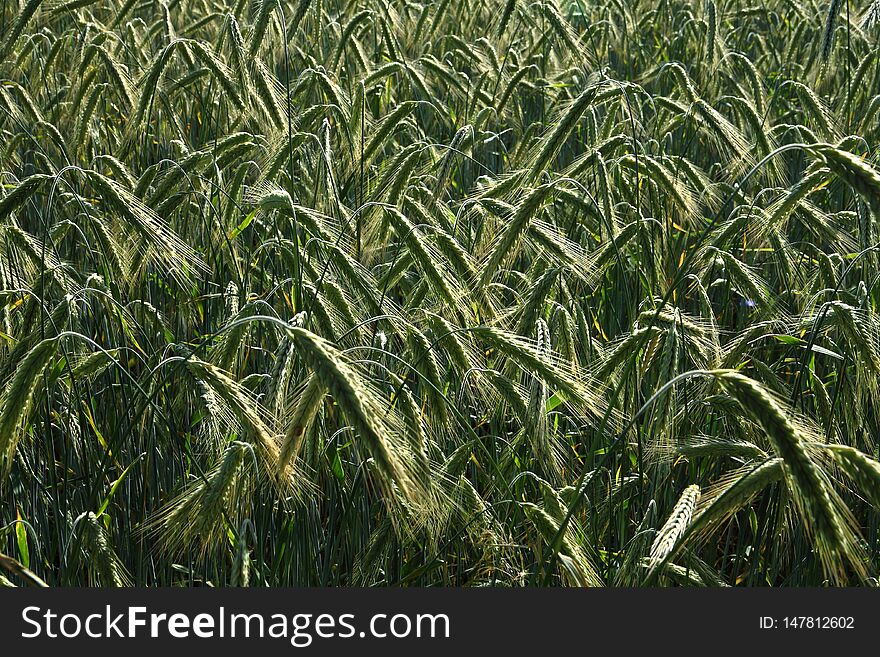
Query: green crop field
{"x": 456, "y": 292}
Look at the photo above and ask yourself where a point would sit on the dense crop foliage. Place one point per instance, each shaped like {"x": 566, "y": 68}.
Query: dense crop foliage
{"x": 472, "y": 292}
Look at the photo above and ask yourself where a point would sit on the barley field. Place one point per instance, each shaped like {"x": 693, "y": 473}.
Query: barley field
{"x": 459, "y": 293}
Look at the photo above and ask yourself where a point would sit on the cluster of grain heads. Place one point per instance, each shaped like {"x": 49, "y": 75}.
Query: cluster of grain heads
{"x": 202, "y": 513}
{"x": 824, "y": 514}
{"x": 105, "y": 567}
{"x": 310, "y": 293}
{"x": 675, "y": 526}
{"x": 18, "y": 398}
{"x": 401, "y": 467}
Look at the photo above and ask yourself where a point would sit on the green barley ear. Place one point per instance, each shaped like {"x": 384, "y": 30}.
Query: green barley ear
{"x": 756, "y": 87}
{"x": 86, "y": 115}
{"x": 119, "y": 171}
{"x": 860, "y": 468}
{"x": 241, "y": 565}
{"x": 815, "y": 108}
{"x": 307, "y": 401}
{"x": 723, "y": 499}
{"x": 700, "y": 446}
{"x": 672, "y": 185}
{"x": 783, "y": 208}
{"x": 104, "y": 565}
{"x": 22, "y": 192}
{"x": 428, "y": 367}
{"x": 24, "y": 16}
{"x": 226, "y": 354}
{"x": 149, "y": 86}
{"x": 379, "y": 428}
{"x": 630, "y": 571}
{"x": 826, "y": 517}
{"x": 460, "y": 351}
{"x": 828, "y": 33}
{"x": 511, "y": 87}
{"x": 507, "y": 245}
{"x": 55, "y": 135}
{"x": 269, "y": 92}
{"x": 564, "y": 31}
{"x": 238, "y": 53}
{"x": 261, "y": 23}
{"x": 484, "y": 530}
{"x": 220, "y": 71}
{"x": 354, "y": 22}
{"x": 619, "y": 354}
{"x": 506, "y": 15}
{"x": 552, "y": 143}
{"x": 510, "y": 396}
{"x": 17, "y": 400}
{"x": 743, "y": 278}
{"x": 675, "y": 526}
{"x": 459, "y": 140}
{"x": 200, "y": 515}
{"x": 429, "y": 260}
{"x": 545, "y": 449}
{"x": 572, "y": 557}
{"x": 259, "y": 426}
{"x": 857, "y": 326}
{"x": 369, "y": 561}
{"x": 578, "y": 390}
{"x": 119, "y": 75}
{"x": 871, "y": 17}
{"x": 296, "y": 19}
{"x": 415, "y": 424}
{"x": 386, "y": 128}
{"x": 711, "y": 30}
{"x": 535, "y": 301}
{"x": 853, "y": 170}
{"x": 163, "y": 244}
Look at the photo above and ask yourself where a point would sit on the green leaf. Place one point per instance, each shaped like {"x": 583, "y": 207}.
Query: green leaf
{"x": 753, "y": 521}
{"x": 235, "y": 232}
{"x": 115, "y": 485}
{"x": 556, "y": 400}
{"x": 790, "y": 339}
{"x": 336, "y": 467}
{"x": 22, "y": 539}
